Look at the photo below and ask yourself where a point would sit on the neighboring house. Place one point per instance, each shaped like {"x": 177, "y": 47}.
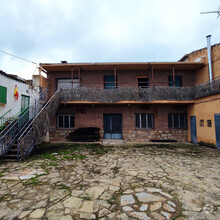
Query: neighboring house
{"x": 10, "y": 104}
{"x": 204, "y": 113}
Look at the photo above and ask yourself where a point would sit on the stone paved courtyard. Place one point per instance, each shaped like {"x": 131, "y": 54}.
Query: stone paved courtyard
{"x": 99, "y": 182}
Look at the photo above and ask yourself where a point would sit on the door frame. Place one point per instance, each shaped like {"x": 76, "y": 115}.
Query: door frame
{"x": 111, "y": 134}
{"x": 217, "y": 139}
{"x": 193, "y": 123}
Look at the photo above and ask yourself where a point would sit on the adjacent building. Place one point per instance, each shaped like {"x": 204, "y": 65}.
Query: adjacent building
{"x": 16, "y": 94}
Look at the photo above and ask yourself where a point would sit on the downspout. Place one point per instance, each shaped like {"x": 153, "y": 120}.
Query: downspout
{"x": 209, "y": 56}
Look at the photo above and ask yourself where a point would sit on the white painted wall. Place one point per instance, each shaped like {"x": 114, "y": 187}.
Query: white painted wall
{"x": 12, "y": 102}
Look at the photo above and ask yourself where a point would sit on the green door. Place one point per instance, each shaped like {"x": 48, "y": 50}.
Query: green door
{"x": 24, "y": 116}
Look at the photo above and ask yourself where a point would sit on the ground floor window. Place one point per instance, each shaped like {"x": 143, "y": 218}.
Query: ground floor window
{"x": 65, "y": 121}
{"x": 144, "y": 120}
{"x": 177, "y": 120}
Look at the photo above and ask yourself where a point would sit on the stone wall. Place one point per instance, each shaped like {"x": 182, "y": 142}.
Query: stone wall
{"x": 92, "y": 116}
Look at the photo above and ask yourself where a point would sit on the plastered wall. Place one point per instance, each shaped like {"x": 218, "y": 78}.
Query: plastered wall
{"x": 204, "y": 109}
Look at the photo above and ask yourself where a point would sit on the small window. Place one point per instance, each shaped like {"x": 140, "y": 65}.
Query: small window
{"x": 177, "y": 121}
{"x": 143, "y": 82}
{"x": 3, "y": 95}
{"x": 201, "y": 123}
{"x": 109, "y": 82}
{"x": 209, "y": 123}
{"x": 65, "y": 121}
{"x": 144, "y": 120}
{"x": 177, "y": 82}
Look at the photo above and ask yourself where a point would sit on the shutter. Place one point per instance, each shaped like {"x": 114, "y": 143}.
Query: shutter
{"x": 137, "y": 120}
{"x": 170, "y": 121}
{"x": 3, "y": 95}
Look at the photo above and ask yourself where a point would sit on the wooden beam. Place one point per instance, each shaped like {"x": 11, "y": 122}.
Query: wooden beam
{"x": 72, "y": 76}
{"x": 79, "y": 75}
{"x": 152, "y": 71}
{"x": 115, "y": 76}
{"x": 173, "y": 75}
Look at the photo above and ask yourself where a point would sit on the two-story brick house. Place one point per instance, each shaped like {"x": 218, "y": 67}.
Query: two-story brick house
{"x": 137, "y": 102}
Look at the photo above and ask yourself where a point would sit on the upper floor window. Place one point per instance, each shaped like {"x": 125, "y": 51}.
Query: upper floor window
{"x": 178, "y": 81}
{"x": 144, "y": 120}
{"x": 65, "y": 121}
{"x": 109, "y": 82}
{"x": 143, "y": 82}
{"x": 67, "y": 83}
{"x": 177, "y": 120}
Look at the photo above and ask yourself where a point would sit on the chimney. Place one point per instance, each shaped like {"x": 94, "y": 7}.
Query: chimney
{"x": 209, "y": 56}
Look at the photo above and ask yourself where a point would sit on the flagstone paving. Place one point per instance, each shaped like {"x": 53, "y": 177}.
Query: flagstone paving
{"x": 129, "y": 182}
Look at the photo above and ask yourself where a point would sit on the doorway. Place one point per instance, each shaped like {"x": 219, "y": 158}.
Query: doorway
{"x": 217, "y": 130}
{"x": 193, "y": 129}
{"x": 112, "y": 126}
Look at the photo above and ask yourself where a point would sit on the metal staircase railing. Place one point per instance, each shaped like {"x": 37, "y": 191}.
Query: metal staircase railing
{"x": 13, "y": 129}
{"x": 4, "y": 119}
{"x": 37, "y": 129}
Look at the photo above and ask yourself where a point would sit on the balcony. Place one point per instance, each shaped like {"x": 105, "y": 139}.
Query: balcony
{"x": 157, "y": 93}
{"x": 127, "y": 94}
{"x": 207, "y": 88}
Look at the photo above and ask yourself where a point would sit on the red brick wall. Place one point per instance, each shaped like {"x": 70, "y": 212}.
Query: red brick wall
{"x": 94, "y": 118}
{"x": 95, "y": 79}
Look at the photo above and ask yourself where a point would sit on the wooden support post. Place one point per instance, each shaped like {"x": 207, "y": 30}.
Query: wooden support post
{"x": 72, "y": 76}
{"x": 79, "y": 75}
{"x": 152, "y": 71}
{"x": 115, "y": 76}
{"x": 173, "y": 76}
{"x": 40, "y": 80}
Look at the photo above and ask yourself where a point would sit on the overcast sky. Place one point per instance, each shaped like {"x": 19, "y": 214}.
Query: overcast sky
{"x": 46, "y": 31}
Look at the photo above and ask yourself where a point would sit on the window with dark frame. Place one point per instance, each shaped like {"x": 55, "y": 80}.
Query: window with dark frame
{"x": 201, "y": 123}
{"x": 178, "y": 81}
{"x": 209, "y": 123}
{"x": 65, "y": 121}
{"x": 109, "y": 82}
{"x": 144, "y": 120}
{"x": 177, "y": 121}
{"x": 143, "y": 82}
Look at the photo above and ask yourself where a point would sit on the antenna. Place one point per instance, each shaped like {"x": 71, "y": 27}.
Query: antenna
{"x": 210, "y": 12}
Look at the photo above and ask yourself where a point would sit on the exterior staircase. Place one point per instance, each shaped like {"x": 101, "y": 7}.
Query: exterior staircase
{"x": 18, "y": 139}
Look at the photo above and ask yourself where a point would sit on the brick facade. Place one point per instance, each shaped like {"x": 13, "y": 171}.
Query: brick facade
{"x": 92, "y": 116}
{"x": 95, "y": 79}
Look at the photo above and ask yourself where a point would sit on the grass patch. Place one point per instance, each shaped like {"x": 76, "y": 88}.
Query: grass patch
{"x": 1, "y": 175}
{"x": 65, "y": 151}
{"x": 87, "y": 198}
{"x": 32, "y": 181}
{"x": 202, "y": 143}
{"x": 63, "y": 186}
{"x": 115, "y": 169}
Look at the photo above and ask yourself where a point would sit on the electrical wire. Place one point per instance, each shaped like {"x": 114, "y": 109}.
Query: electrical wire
{"x": 18, "y": 57}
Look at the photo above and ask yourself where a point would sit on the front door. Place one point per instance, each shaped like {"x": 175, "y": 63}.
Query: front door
{"x": 24, "y": 115}
{"x": 112, "y": 126}
{"x": 217, "y": 130}
{"x": 193, "y": 129}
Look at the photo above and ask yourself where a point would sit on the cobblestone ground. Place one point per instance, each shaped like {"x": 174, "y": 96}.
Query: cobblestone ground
{"x": 128, "y": 182}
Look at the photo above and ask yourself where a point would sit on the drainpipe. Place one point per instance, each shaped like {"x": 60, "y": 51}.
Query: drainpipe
{"x": 209, "y": 56}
